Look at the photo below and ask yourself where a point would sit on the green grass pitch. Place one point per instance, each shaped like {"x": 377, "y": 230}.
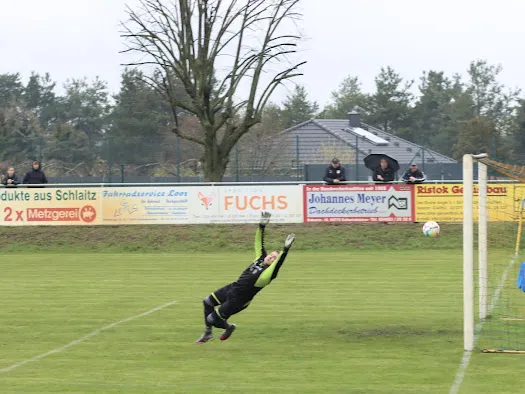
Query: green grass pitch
{"x": 333, "y": 322}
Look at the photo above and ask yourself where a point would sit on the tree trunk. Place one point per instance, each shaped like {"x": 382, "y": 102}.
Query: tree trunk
{"x": 214, "y": 162}
{"x": 213, "y": 171}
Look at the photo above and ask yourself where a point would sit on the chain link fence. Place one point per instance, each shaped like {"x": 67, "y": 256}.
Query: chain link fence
{"x": 167, "y": 158}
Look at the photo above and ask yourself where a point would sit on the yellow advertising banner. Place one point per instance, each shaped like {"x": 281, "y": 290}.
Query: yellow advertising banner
{"x": 145, "y": 205}
{"x": 40, "y": 206}
{"x": 444, "y": 202}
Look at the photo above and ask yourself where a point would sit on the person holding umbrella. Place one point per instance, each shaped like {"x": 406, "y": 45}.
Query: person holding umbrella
{"x": 384, "y": 167}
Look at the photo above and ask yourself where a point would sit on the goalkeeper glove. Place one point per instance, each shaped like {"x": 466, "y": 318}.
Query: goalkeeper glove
{"x": 289, "y": 241}
{"x": 265, "y": 218}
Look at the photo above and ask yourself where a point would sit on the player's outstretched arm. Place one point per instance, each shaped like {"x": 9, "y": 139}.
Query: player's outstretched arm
{"x": 271, "y": 273}
{"x": 259, "y": 234}
{"x": 288, "y": 242}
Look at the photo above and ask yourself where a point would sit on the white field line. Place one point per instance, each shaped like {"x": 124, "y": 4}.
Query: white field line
{"x": 465, "y": 361}
{"x": 85, "y": 337}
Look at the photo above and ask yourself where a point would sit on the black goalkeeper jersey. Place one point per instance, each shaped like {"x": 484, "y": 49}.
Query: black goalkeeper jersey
{"x": 257, "y": 275}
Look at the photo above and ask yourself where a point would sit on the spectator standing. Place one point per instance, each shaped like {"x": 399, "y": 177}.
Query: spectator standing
{"x": 414, "y": 175}
{"x": 334, "y": 173}
{"x": 384, "y": 173}
{"x": 12, "y": 178}
{"x": 36, "y": 176}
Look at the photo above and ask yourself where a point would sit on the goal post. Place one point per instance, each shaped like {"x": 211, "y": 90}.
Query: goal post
{"x": 468, "y": 252}
{"x": 498, "y": 325}
{"x": 482, "y": 241}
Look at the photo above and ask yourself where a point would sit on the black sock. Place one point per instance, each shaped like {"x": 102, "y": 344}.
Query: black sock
{"x": 214, "y": 320}
{"x": 207, "y": 310}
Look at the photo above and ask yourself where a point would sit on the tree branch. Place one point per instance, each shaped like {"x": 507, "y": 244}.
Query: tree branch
{"x": 188, "y": 137}
{"x": 273, "y": 24}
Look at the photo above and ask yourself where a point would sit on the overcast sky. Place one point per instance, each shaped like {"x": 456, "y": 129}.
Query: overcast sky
{"x": 76, "y": 38}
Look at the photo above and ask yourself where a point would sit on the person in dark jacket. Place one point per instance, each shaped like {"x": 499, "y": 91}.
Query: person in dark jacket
{"x": 334, "y": 173}
{"x": 383, "y": 173}
{"x": 12, "y": 178}
{"x": 36, "y": 175}
{"x": 414, "y": 175}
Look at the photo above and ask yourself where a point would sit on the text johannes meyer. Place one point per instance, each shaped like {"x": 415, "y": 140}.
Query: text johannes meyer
{"x": 343, "y": 205}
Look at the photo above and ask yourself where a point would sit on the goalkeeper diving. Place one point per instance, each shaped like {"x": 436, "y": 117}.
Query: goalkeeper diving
{"x": 236, "y": 296}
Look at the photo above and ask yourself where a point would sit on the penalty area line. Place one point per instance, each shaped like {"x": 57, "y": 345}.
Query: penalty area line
{"x": 465, "y": 361}
{"x": 85, "y": 337}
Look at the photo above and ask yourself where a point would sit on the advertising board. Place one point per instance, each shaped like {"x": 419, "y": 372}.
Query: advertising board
{"x": 40, "y": 206}
{"x": 243, "y": 204}
{"x": 145, "y": 205}
{"x": 358, "y": 203}
{"x": 206, "y": 204}
{"x": 444, "y": 202}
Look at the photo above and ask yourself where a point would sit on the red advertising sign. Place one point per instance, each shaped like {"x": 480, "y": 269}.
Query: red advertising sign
{"x": 358, "y": 203}
{"x": 86, "y": 214}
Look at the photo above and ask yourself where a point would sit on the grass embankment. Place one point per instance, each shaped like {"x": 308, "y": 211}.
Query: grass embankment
{"x": 211, "y": 238}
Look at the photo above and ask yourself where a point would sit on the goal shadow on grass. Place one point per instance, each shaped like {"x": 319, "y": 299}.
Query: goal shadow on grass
{"x": 396, "y": 332}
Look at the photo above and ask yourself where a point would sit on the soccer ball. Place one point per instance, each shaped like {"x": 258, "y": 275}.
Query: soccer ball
{"x": 431, "y": 229}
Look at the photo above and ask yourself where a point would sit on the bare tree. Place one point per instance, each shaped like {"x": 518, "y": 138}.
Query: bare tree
{"x": 261, "y": 148}
{"x": 186, "y": 42}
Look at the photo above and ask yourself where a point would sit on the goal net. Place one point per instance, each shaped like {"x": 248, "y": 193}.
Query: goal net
{"x": 494, "y": 293}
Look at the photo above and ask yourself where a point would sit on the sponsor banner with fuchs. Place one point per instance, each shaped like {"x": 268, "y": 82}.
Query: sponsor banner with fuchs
{"x": 358, "y": 203}
{"x": 244, "y": 204}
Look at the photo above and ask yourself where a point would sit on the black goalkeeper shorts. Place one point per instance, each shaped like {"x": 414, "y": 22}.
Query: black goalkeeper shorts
{"x": 228, "y": 301}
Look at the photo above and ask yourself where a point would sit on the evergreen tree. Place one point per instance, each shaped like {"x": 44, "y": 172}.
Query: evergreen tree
{"x": 347, "y": 97}
{"x": 138, "y": 123}
{"x": 39, "y": 95}
{"x": 389, "y": 107}
{"x": 491, "y": 98}
{"x": 297, "y": 108}
{"x": 478, "y": 135}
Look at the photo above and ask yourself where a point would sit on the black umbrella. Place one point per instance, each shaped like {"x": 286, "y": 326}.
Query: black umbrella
{"x": 374, "y": 160}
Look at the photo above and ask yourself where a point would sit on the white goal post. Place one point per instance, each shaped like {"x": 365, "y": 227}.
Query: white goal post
{"x": 468, "y": 247}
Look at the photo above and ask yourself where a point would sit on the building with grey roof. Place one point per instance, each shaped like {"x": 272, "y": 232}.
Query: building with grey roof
{"x": 352, "y": 135}
{"x": 315, "y": 142}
